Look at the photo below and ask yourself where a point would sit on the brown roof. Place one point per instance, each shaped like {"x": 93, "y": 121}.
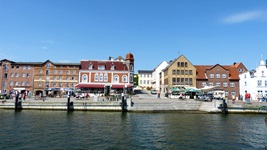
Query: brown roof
{"x": 201, "y": 71}
{"x": 118, "y": 65}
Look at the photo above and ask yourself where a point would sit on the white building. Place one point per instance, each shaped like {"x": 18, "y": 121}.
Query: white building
{"x": 254, "y": 82}
{"x": 156, "y": 75}
{"x": 144, "y": 79}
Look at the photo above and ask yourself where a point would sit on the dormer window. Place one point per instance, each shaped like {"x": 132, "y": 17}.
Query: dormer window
{"x": 90, "y": 67}
{"x": 112, "y": 67}
{"x": 101, "y": 67}
{"x": 47, "y": 65}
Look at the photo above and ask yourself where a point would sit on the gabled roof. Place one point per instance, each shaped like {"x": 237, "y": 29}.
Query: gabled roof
{"x": 118, "y": 65}
{"x": 172, "y": 62}
{"x": 201, "y": 71}
{"x": 145, "y": 71}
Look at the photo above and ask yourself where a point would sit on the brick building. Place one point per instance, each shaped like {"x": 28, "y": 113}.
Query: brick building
{"x": 224, "y": 77}
{"x": 106, "y": 76}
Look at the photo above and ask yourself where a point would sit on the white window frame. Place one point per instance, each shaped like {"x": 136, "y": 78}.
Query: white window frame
{"x": 212, "y": 75}
{"x": 101, "y": 77}
{"x": 232, "y": 84}
{"x": 225, "y": 84}
{"x": 105, "y": 77}
{"x": 96, "y": 77}
{"x": 124, "y": 78}
{"x": 116, "y": 79}
{"x": 84, "y": 78}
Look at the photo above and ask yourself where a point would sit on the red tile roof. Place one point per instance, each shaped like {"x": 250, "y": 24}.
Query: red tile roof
{"x": 118, "y": 65}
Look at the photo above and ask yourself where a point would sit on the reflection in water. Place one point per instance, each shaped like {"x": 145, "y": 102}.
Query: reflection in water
{"x": 117, "y": 130}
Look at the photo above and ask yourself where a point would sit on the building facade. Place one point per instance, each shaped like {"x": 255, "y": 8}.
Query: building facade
{"x": 53, "y": 79}
{"x": 254, "y": 82}
{"x": 225, "y": 78}
{"x": 180, "y": 72}
{"x": 145, "y": 79}
{"x": 156, "y": 83}
{"x": 16, "y": 76}
{"x": 107, "y": 76}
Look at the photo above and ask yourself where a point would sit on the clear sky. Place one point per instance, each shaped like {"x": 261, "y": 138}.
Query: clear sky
{"x": 207, "y": 32}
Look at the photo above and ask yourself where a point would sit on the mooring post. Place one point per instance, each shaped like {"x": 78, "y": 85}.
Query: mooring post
{"x": 123, "y": 102}
{"x": 68, "y": 95}
{"x": 16, "y": 101}
{"x": 224, "y": 107}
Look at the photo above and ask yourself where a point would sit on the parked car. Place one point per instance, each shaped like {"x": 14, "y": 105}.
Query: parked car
{"x": 205, "y": 97}
{"x": 153, "y": 91}
{"x": 178, "y": 94}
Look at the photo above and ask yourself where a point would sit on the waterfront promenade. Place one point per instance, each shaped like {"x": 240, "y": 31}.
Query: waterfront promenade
{"x": 135, "y": 104}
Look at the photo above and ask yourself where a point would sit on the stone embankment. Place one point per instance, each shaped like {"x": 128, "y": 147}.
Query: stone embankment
{"x": 136, "y": 104}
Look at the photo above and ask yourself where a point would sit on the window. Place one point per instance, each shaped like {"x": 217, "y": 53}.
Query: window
{"x": 124, "y": 78}
{"x": 24, "y": 67}
{"x": 225, "y": 84}
{"x": 96, "y": 77}
{"x": 29, "y": 67}
{"x": 245, "y": 76}
{"x": 73, "y": 71}
{"x": 211, "y": 75}
{"x": 218, "y": 84}
{"x": 173, "y": 80}
{"x": 90, "y": 67}
{"x": 5, "y": 75}
{"x": 178, "y": 64}
{"x": 211, "y": 84}
{"x": 6, "y": 67}
{"x": 55, "y": 71}
{"x": 224, "y": 76}
{"x": 116, "y": 79}
{"x": 190, "y": 81}
{"x": 84, "y": 78}
{"x": 185, "y": 64}
{"x": 245, "y": 83}
{"x": 147, "y": 81}
{"x": 23, "y": 75}
{"x": 105, "y": 77}
{"x": 131, "y": 68}
{"x": 144, "y": 81}
{"x": 131, "y": 77}
{"x": 182, "y": 72}
{"x": 178, "y": 80}
{"x": 47, "y": 72}
{"x": 68, "y": 78}
{"x": 174, "y": 72}
{"x": 60, "y": 71}
{"x": 233, "y": 93}
{"x": 262, "y": 73}
{"x": 40, "y": 78}
{"x": 60, "y": 77}
{"x": 40, "y": 71}
{"x": 178, "y": 72}
{"x": 190, "y": 72}
{"x": 218, "y": 75}
{"x": 112, "y": 67}
{"x": 68, "y": 72}
{"x": 182, "y": 64}
{"x": 12, "y": 75}
{"x": 16, "y": 83}
{"x": 73, "y": 78}
{"x": 182, "y": 81}
{"x": 54, "y": 84}
{"x": 28, "y": 75}
{"x": 68, "y": 85}
{"x": 60, "y": 84}
{"x": 203, "y": 84}
{"x": 17, "y": 75}
{"x": 101, "y": 77}
{"x": 186, "y": 81}
{"x": 55, "y": 78}
{"x": 22, "y": 83}
{"x": 48, "y": 65}
{"x": 226, "y": 93}
{"x": 27, "y": 83}
{"x": 265, "y": 82}
{"x": 141, "y": 82}
{"x": 11, "y": 83}
{"x": 259, "y": 82}
{"x": 186, "y": 72}
{"x": 232, "y": 84}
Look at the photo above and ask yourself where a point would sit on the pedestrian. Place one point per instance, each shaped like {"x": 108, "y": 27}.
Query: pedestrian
{"x": 158, "y": 95}
{"x": 233, "y": 99}
{"x": 247, "y": 97}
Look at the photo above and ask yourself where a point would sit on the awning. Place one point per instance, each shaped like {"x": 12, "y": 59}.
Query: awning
{"x": 90, "y": 85}
{"x": 120, "y": 86}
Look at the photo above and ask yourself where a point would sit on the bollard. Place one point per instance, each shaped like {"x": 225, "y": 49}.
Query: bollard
{"x": 224, "y": 107}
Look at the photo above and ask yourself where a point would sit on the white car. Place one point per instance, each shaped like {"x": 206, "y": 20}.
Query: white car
{"x": 153, "y": 91}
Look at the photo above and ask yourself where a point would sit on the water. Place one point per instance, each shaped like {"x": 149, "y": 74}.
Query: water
{"x": 32, "y": 129}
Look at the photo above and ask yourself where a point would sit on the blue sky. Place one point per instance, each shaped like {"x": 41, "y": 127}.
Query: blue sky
{"x": 207, "y": 32}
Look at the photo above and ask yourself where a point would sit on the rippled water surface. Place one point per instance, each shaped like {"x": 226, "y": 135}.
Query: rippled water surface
{"x": 30, "y": 129}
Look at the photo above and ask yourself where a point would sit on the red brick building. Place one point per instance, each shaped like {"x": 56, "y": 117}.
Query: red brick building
{"x": 105, "y": 76}
{"x": 224, "y": 77}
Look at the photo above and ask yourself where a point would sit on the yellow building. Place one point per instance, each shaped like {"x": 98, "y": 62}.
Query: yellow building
{"x": 180, "y": 72}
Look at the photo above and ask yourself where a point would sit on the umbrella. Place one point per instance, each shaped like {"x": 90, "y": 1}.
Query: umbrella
{"x": 207, "y": 88}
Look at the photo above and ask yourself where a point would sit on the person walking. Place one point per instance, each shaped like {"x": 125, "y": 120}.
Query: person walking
{"x": 233, "y": 99}
{"x": 247, "y": 97}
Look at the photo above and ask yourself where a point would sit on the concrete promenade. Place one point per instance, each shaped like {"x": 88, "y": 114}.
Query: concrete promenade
{"x": 136, "y": 104}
